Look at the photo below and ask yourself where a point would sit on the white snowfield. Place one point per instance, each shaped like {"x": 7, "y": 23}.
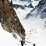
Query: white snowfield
{"x": 34, "y": 27}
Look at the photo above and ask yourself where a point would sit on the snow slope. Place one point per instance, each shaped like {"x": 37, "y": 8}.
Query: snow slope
{"x": 34, "y": 27}
{"x": 6, "y": 39}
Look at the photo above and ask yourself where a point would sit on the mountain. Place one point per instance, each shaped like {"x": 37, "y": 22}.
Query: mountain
{"x": 9, "y": 20}
{"x": 38, "y": 10}
{"x": 22, "y": 4}
{"x": 35, "y": 21}
{"x": 30, "y": 6}
{"x": 18, "y": 6}
{"x": 34, "y": 25}
{"x": 22, "y": 7}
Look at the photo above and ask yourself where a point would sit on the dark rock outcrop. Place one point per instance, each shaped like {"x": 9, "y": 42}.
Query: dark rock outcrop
{"x": 10, "y": 21}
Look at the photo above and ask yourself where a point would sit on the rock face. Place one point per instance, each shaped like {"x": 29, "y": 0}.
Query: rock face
{"x": 9, "y": 20}
{"x": 1, "y": 5}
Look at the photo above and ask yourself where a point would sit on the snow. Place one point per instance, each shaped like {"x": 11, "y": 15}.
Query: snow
{"x": 20, "y": 3}
{"x": 6, "y": 39}
{"x": 35, "y": 3}
{"x": 34, "y": 27}
{"x": 22, "y": 13}
{"x": 37, "y": 37}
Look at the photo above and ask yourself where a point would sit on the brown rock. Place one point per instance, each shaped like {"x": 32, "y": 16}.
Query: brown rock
{"x": 1, "y": 5}
{"x": 10, "y": 21}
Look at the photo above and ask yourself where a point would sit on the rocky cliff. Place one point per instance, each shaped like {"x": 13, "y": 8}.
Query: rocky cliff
{"x": 9, "y": 20}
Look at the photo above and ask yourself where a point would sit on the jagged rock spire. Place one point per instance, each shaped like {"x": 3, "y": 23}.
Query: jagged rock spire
{"x": 11, "y": 3}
